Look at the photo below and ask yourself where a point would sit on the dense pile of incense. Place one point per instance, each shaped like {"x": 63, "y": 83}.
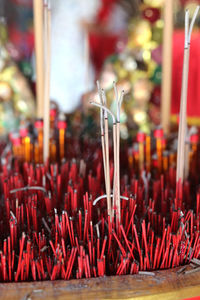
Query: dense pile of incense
{"x": 55, "y": 225}
{"x": 92, "y": 211}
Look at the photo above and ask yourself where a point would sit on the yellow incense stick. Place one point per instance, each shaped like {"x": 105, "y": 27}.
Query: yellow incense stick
{"x": 148, "y": 153}
{"x": 27, "y": 149}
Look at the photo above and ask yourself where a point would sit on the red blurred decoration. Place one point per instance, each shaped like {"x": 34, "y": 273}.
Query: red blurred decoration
{"x": 22, "y": 41}
{"x": 185, "y": 2}
{"x": 151, "y": 14}
{"x": 104, "y": 12}
{"x": 102, "y": 45}
{"x": 193, "y": 104}
{"x": 156, "y": 96}
{"x": 27, "y": 3}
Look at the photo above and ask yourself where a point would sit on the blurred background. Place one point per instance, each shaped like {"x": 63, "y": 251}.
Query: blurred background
{"x": 108, "y": 40}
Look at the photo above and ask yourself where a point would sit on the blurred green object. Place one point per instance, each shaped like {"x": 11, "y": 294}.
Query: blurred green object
{"x": 3, "y": 31}
{"x": 157, "y": 31}
{"x": 26, "y": 68}
{"x": 157, "y": 75}
{"x": 9, "y": 120}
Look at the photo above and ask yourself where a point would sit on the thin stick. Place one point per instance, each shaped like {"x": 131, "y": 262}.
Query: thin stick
{"x": 107, "y": 166}
{"x": 167, "y": 65}
{"x": 106, "y": 137}
{"x": 115, "y": 167}
{"x": 182, "y": 127}
{"x": 104, "y": 196}
{"x": 47, "y": 32}
{"x": 183, "y": 108}
{"x": 115, "y": 180}
{"x": 119, "y": 103}
{"x": 106, "y": 110}
{"x": 116, "y": 150}
{"x": 103, "y": 140}
{"x": 118, "y": 172}
{"x": 39, "y": 52}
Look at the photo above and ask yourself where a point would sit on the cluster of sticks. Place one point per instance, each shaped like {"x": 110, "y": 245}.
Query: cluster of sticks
{"x": 104, "y": 111}
{"x": 42, "y": 28}
{"x": 28, "y": 143}
{"x": 54, "y": 225}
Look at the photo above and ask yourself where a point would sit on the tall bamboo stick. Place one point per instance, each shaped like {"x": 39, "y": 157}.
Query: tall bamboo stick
{"x": 102, "y": 114}
{"x": 46, "y": 114}
{"x": 117, "y": 168}
{"x": 107, "y": 156}
{"x": 183, "y": 104}
{"x": 39, "y": 53}
{"x": 167, "y": 66}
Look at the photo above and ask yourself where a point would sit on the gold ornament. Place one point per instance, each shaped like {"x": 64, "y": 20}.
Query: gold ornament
{"x": 191, "y": 6}
{"x": 140, "y": 33}
{"x": 154, "y": 3}
{"x": 157, "y": 31}
{"x": 5, "y": 91}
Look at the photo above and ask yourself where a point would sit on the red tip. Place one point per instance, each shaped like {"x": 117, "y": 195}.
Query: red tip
{"x": 164, "y": 142}
{"x": 62, "y": 125}
{"x": 53, "y": 112}
{"x": 141, "y": 137}
{"x": 23, "y": 131}
{"x": 39, "y": 124}
{"x": 158, "y": 133}
{"x": 194, "y": 139}
{"x": 16, "y": 141}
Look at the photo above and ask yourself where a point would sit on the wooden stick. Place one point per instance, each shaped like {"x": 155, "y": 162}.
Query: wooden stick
{"x": 183, "y": 108}
{"x": 106, "y": 137}
{"x": 119, "y": 103}
{"x": 115, "y": 187}
{"x": 103, "y": 139}
{"x": 115, "y": 151}
{"x": 118, "y": 206}
{"x": 46, "y": 116}
{"x": 104, "y": 158}
{"x": 39, "y": 53}
{"x": 167, "y": 66}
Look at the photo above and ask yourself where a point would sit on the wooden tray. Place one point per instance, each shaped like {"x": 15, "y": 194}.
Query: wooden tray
{"x": 166, "y": 284}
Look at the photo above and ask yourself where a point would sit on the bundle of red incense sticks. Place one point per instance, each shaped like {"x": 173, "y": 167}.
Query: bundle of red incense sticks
{"x": 94, "y": 208}
{"x": 54, "y": 216}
